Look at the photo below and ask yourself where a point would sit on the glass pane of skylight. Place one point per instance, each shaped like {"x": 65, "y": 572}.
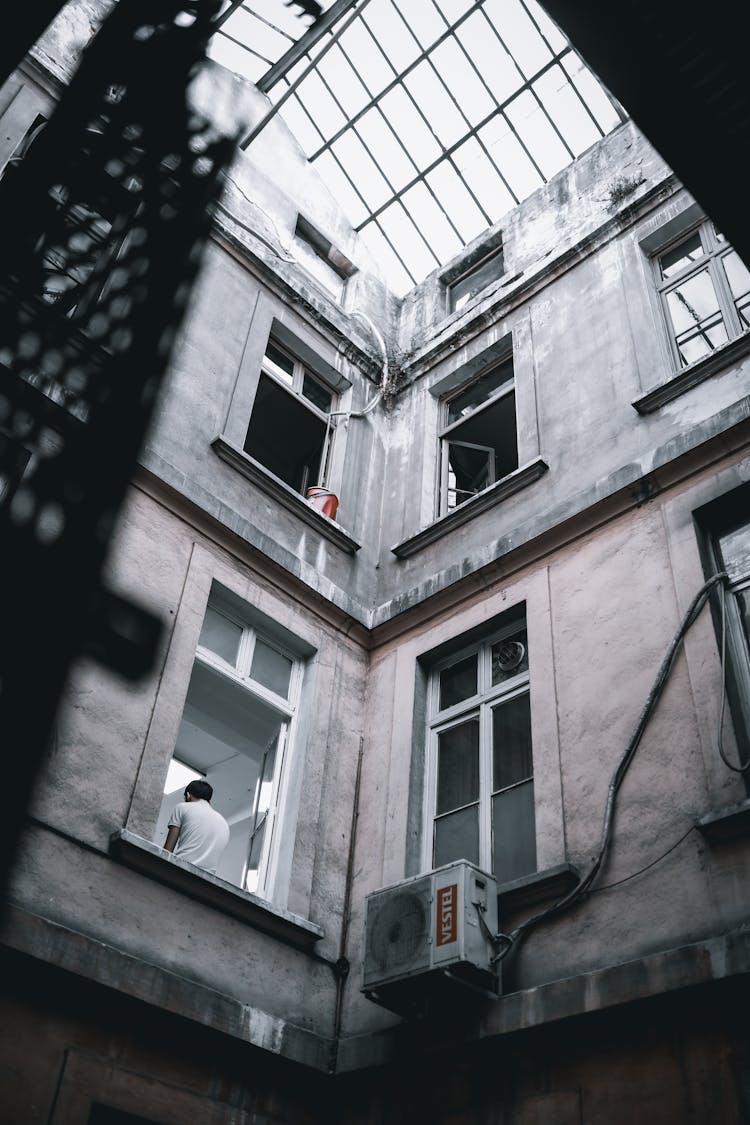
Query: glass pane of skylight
{"x": 453, "y": 9}
{"x": 366, "y": 58}
{"x": 409, "y": 242}
{"x": 341, "y": 187}
{"x": 423, "y": 19}
{"x": 455, "y": 198}
{"x": 393, "y": 272}
{"x": 519, "y": 34}
{"x": 547, "y": 27}
{"x": 508, "y": 154}
{"x": 343, "y": 81}
{"x": 389, "y": 30}
{"x": 385, "y": 148}
{"x": 496, "y": 66}
{"x": 592, "y": 92}
{"x": 442, "y": 238}
{"x": 234, "y": 57}
{"x": 329, "y": 118}
{"x": 566, "y": 109}
{"x": 540, "y": 138}
{"x": 413, "y": 129}
{"x": 451, "y": 61}
{"x": 436, "y": 103}
{"x": 479, "y": 173}
{"x": 370, "y": 183}
{"x": 298, "y": 120}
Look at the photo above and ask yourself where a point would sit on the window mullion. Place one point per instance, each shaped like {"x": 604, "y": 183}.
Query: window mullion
{"x": 725, "y": 296}
{"x": 485, "y": 787}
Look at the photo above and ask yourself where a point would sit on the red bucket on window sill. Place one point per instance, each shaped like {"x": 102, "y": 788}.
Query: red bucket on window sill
{"x": 324, "y": 500}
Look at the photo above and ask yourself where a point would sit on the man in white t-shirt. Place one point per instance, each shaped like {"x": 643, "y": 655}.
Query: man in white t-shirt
{"x": 196, "y": 832}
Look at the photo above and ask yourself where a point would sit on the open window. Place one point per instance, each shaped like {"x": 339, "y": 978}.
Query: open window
{"x": 478, "y": 438}
{"x": 234, "y": 732}
{"x": 290, "y": 431}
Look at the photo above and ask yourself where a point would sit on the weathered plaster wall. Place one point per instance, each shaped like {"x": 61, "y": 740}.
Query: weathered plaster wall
{"x": 601, "y": 613}
{"x": 106, "y": 770}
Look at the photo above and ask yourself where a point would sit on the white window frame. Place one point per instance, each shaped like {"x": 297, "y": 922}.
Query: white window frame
{"x": 447, "y": 428}
{"x": 240, "y": 675}
{"x": 715, "y": 248}
{"x": 480, "y": 705}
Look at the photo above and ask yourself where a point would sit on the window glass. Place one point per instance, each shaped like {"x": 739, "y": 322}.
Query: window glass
{"x": 280, "y": 360}
{"x": 511, "y": 742}
{"x": 514, "y": 838}
{"x": 220, "y": 635}
{"x": 458, "y": 682}
{"x": 285, "y": 435}
{"x": 271, "y": 668}
{"x": 317, "y": 393}
{"x": 738, "y": 277}
{"x": 457, "y": 837}
{"x": 458, "y": 766}
{"x": 475, "y": 280}
{"x": 681, "y": 256}
{"x": 698, "y": 323}
{"x": 479, "y": 391}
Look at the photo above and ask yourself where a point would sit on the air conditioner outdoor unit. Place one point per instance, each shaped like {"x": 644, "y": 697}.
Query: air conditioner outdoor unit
{"x": 425, "y": 942}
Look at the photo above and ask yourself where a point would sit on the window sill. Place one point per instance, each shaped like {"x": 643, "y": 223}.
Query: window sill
{"x": 693, "y": 376}
{"x": 730, "y": 823}
{"x": 150, "y": 859}
{"x": 529, "y": 890}
{"x": 284, "y": 495}
{"x": 483, "y": 502}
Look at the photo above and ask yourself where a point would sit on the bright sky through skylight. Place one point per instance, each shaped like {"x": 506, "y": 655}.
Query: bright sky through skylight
{"x": 427, "y": 119}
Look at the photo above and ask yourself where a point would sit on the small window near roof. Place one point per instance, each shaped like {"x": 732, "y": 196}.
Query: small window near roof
{"x": 290, "y": 430}
{"x": 705, "y": 292}
{"x": 465, "y": 287}
{"x": 478, "y": 439}
{"x": 321, "y": 258}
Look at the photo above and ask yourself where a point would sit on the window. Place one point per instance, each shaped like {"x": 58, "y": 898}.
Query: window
{"x": 290, "y": 430}
{"x": 234, "y": 733}
{"x": 726, "y": 546}
{"x": 480, "y": 774}
{"x": 478, "y": 437}
{"x": 705, "y": 292}
{"x": 473, "y": 280}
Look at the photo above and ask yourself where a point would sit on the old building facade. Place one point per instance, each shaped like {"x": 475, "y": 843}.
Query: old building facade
{"x": 539, "y": 458}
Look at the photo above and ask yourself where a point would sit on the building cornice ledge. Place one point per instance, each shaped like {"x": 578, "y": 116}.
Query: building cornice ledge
{"x": 483, "y": 502}
{"x": 284, "y": 495}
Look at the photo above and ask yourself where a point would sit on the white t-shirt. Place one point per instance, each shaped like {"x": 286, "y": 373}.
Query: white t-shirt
{"x": 204, "y": 834}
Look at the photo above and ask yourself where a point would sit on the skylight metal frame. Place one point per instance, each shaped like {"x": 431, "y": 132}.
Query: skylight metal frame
{"x": 414, "y": 249}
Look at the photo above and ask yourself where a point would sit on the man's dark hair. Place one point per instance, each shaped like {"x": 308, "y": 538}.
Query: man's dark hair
{"x": 200, "y": 789}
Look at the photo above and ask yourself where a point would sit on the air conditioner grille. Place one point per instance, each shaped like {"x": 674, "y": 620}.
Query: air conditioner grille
{"x": 398, "y": 933}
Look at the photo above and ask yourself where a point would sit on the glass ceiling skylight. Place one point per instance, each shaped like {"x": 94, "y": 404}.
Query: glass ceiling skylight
{"x": 427, "y": 119}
